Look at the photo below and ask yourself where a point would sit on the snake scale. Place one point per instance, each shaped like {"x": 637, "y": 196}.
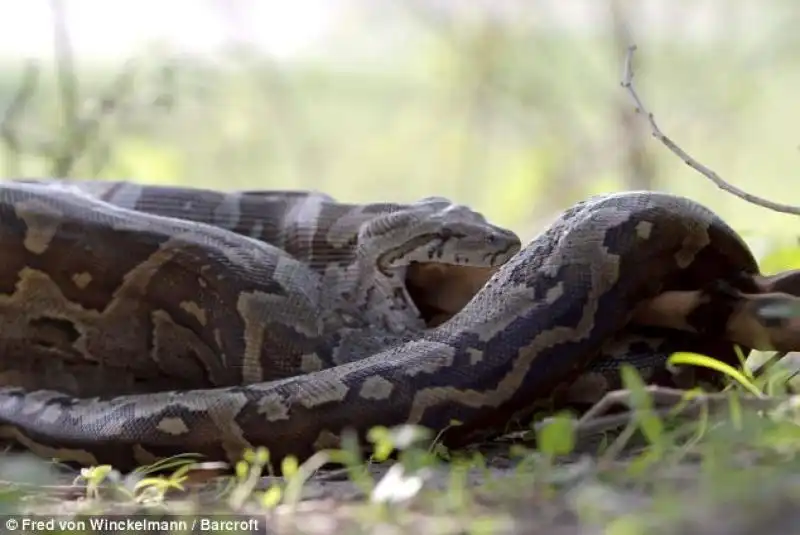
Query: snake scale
{"x": 139, "y": 322}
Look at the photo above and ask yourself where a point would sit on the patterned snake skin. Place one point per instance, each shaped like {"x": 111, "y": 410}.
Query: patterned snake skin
{"x": 140, "y": 322}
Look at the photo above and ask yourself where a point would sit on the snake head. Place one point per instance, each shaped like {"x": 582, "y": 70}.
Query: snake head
{"x": 440, "y": 252}
{"x": 435, "y": 230}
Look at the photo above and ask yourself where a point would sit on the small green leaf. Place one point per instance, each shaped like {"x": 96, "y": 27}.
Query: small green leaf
{"x": 696, "y": 359}
{"x": 632, "y": 381}
{"x": 271, "y": 497}
{"x": 241, "y": 469}
{"x": 261, "y": 456}
{"x": 289, "y": 466}
{"x": 650, "y": 424}
{"x": 557, "y": 437}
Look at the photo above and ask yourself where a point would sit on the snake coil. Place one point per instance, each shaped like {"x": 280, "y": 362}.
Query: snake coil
{"x": 140, "y": 321}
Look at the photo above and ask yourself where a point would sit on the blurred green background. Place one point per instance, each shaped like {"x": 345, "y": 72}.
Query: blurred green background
{"x": 513, "y": 107}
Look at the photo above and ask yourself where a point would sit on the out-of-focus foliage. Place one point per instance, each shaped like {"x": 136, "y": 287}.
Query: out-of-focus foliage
{"x": 781, "y": 257}
{"x": 515, "y": 113}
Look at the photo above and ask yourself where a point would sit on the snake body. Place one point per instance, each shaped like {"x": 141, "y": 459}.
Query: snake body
{"x": 141, "y": 322}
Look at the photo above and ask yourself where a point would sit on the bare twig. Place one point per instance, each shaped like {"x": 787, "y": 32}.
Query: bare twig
{"x": 671, "y": 400}
{"x": 638, "y": 165}
{"x": 627, "y": 83}
{"x": 667, "y": 403}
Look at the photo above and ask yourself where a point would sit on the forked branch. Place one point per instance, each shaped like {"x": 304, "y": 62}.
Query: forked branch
{"x": 627, "y": 83}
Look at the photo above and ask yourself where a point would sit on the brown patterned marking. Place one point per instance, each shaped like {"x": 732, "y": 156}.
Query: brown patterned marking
{"x": 254, "y": 332}
{"x": 37, "y": 291}
{"x": 138, "y": 278}
{"x": 219, "y": 420}
{"x": 273, "y": 407}
{"x": 195, "y": 310}
{"x": 397, "y": 254}
{"x": 554, "y": 293}
{"x": 51, "y": 414}
{"x": 327, "y": 440}
{"x": 42, "y": 220}
{"x": 172, "y": 426}
{"x": 180, "y": 353}
{"x": 475, "y": 355}
{"x": 507, "y": 387}
{"x": 82, "y": 280}
{"x": 327, "y": 390}
{"x": 692, "y": 244}
{"x": 263, "y": 315}
{"x": 376, "y": 387}
{"x": 311, "y": 363}
{"x": 218, "y": 341}
{"x": 142, "y": 456}
{"x": 9, "y": 404}
{"x": 643, "y": 229}
{"x": 439, "y": 356}
{"x": 76, "y": 455}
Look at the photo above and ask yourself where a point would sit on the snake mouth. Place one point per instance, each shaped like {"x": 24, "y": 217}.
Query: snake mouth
{"x": 440, "y": 291}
